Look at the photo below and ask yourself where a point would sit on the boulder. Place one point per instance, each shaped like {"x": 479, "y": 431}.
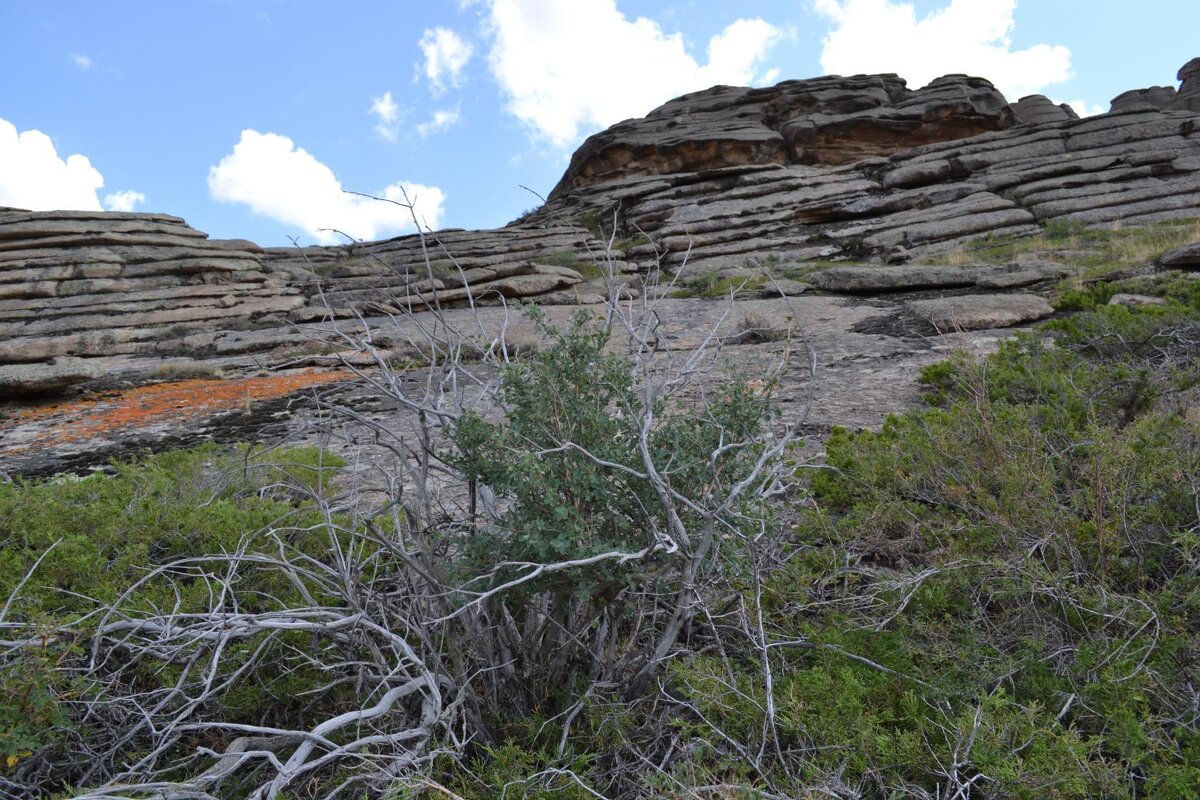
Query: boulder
{"x": 979, "y": 311}
{"x": 1188, "y": 98}
{"x": 20, "y": 380}
{"x": 1158, "y": 98}
{"x": 1037, "y": 109}
{"x": 783, "y": 287}
{"x": 1135, "y": 300}
{"x": 1186, "y": 257}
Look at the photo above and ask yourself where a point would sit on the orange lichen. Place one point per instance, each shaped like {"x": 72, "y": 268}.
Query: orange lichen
{"x": 128, "y": 410}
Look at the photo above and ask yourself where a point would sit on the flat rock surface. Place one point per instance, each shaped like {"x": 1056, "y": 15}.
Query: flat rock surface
{"x": 976, "y": 311}
{"x": 18, "y": 380}
{"x": 859, "y": 377}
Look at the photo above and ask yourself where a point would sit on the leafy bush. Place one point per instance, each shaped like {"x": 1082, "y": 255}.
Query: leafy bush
{"x": 567, "y": 459}
{"x": 999, "y": 593}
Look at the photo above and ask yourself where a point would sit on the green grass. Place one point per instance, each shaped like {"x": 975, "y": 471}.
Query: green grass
{"x": 586, "y": 268}
{"x": 712, "y": 286}
{"x": 1109, "y": 249}
{"x": 96, "y": 536}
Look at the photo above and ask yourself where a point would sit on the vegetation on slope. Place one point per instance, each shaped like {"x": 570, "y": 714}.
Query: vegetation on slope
{"x": 996, "y": 595}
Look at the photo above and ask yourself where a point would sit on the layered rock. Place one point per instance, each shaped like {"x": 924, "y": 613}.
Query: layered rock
{"x": 81, "y": 283}
{"x": 1160, "y": 98}
{"x": 1189, "y": 90}
{"x": 827, "y": 121}
{"x": 1037, "y": 109}
{"x": 863, "y": 279}
{"x": 1130, "y": 168}
{"x": 1164, "y": 98}
{"x": 451, "y": 267}
{"x": 852, "y": 169}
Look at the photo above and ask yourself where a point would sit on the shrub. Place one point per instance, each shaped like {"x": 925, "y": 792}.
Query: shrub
{"x": 999, "y": 593}
{"x": 72, "y": 546}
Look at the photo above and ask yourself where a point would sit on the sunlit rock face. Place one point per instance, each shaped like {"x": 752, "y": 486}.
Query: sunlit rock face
{"x": 823, "y": 121}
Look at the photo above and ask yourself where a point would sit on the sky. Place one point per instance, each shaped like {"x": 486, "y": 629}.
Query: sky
{"x": 256, "y": 119}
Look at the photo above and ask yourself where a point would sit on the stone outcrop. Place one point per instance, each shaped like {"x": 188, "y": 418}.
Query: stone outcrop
{"x": 826, "y": 121}
{"x": 1154, "y": 98}
{"x": 1186, "y": 257}
{"x": 868, "y": 279}
{"x": 20, "y": 380}
{"x": 481, "y": 267}
{"x": 75, "y": 283}
{"x": 976, "y": 312}
{"x": 852, "y": 169}
{"x": 1135, "y": 300}
{"x": 1189, "y": 90}
{"x": 1164, "y": 98}
{"x": 1037, "y": 109}
{"x": 1130, "y": 168}
{"x": 96, "y": 284}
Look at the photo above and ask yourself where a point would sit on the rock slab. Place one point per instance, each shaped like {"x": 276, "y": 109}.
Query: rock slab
{"x": 22, "y": 380}
{"x": 977, "y": 312}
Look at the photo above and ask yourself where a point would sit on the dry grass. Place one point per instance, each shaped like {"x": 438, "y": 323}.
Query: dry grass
{"x": 1096, "y": 251}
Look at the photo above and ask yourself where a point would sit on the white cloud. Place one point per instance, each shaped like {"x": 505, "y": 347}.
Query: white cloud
{"x": 124, "y": 201}
{"x": 446, "y": 56}
{"x": 33, "y": 176}
{"x": 388, "y": 112}
{"x": 441, "y": 120}
{"x": 568, "y": 65}
{"x": 971, "y": 36}
{"x": 1084, "y": 108}
{"x": 82, "y": 61}
{"x": 276, "y": 179}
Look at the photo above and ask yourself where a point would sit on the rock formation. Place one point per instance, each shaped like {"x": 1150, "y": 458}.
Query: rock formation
{"x": 856, "y": 169}
{"x": 100, "y": 284}
{"x": 1164, "y": 98}
{"x": 542, "y": 262}
{"x": 1036, "y": 109}
{"x": 1189, "y": 89}
{"x": 1134, "y": 167}
{"x": 827, "y": 121}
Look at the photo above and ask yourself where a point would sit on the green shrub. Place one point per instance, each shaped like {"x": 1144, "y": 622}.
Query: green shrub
{"x": 713, "y": 286}
{"x": 96, "y": 536}
{"x": 1005, "y": 586}
{"x": 568, "y": 502}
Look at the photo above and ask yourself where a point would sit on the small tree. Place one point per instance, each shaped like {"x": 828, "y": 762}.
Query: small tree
{"x": 588, "y": 483}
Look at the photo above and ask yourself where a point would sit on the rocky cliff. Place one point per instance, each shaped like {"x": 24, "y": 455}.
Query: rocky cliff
{"x": 857, "y": 168}
{"x": 806, "y": 184}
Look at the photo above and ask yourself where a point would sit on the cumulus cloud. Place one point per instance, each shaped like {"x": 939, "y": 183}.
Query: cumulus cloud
{"x": 446, "y": 56}
{"x": 124, "y": 201}
{"x": 33, "y": 176}
{"x": 441, "y": 120}
{"x": 277, "y": 179}
{"x": 568, "y": 65}
{"x": 971, "y": 36}
{"x": 82, "y": 61}
{"x": 388, "y": 113}
{"x": 1085, "y": 109}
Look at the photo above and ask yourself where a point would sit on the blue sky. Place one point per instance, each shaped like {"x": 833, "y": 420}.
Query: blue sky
{"x": 248, "y": 117}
